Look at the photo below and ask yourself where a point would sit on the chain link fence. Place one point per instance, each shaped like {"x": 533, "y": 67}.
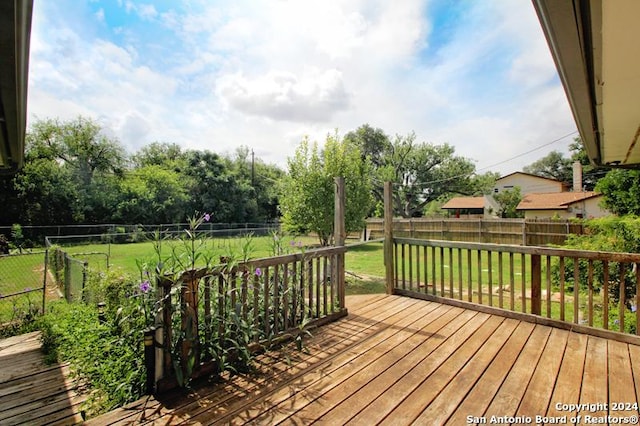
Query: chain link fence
{"x": 23, "y": 286}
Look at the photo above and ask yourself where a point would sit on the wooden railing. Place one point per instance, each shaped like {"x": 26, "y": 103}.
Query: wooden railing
{"x": 532, "y": 280}
{"x": 215, "y": 314}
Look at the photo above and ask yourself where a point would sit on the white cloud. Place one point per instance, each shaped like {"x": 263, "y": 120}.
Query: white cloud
{"x": 312, "y": 97}
{"x": 265, "y": 73}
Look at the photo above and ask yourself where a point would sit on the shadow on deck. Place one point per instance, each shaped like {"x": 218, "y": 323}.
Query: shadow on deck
{"x": 398, "y": 360}
{"x": 31, "y": 392}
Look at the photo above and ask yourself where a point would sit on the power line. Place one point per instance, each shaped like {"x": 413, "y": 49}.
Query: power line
{"x": 488, "y": 167}
{"x": 530, "y": 151}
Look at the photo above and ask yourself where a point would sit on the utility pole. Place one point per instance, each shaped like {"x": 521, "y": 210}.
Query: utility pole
{"x": 253, "y": 168}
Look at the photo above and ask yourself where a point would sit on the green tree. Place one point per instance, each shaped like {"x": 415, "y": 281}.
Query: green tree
{"x": 621, "y": 190}
{"x": 47, "y": 193}
{"x": 81, "y": 148}
{"x": 307, "y": 196}
{"x": 153, "y": 194}
{"x": 553, "y": 166}
{"x": 423, "y": 172}
{"x": 508, "y": 201}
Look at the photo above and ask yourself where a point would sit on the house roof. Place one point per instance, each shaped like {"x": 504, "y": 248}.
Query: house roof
{"x": 528, "y": 174}
{"x": 594, "y": 44}
{"x": 464, "y": 203}
{"x": 15, "y": 34}
{"x": 554, "y": 200}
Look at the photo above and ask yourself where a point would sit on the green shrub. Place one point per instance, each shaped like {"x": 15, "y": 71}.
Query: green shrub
{"x": 106, "y": 355}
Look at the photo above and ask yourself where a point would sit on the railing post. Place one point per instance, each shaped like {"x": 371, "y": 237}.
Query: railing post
{"x": 339, "y": 235}
{"x": 388, "y": 238}
{"x": 536, "y": 284}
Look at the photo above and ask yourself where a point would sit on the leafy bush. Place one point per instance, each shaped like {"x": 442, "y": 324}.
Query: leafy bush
{"x": 107, "y": 356}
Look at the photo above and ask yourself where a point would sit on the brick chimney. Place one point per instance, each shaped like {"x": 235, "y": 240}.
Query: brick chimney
{"x": 577, "y": 176}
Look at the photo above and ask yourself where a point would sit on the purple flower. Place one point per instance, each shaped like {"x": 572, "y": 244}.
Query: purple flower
{"x": 207, "y": 217}
{"x": 27, "y": 289}
{"x": 258, "y": 272}
{"x": 616, "y": 322}
{"x": 299, "y": 243}
{"x": 145, "y": 286}
{"x": 633, "y": 308}
{"x": 292, "y": 243}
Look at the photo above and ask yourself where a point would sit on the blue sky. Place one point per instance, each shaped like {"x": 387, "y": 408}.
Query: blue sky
{"x": 264, "y": 73}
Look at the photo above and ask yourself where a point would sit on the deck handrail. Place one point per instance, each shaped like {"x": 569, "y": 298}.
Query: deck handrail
{"x": 268, "y": 298}
{"x": 512, "y": 277}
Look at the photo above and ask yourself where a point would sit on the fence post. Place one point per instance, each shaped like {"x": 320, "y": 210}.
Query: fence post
{"x": 388, "y": 237}
{"x": 44, "y": 279}
{"x": 536, "y": 284}
{"x": 340, "y": 235}
{"x": 67, "y": 277}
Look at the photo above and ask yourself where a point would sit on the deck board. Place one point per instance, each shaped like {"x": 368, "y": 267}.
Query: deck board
{"x": 396, "y": 360}
{"x": 32, "y": 392}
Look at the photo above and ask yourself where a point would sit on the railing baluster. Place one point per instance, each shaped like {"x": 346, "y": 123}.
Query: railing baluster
{"x": 523, "y": 276}
{"x": 562, "y": 287}
{"x": 285, "y": 296}
{"x": 404, "y": 281}
{"x": 325, "y": 282}
{"x": 426, "y": 270}
{"x": 622, "y": 298}
{"x": 417, "y": 268}
{"x": 637, "y": 302}
{"x": 469, "y": 279}
{"x": 442, "y": 293}
{"x": 450, "y": 272}
{"x": 265, "y": 301}
{"x": 317, "y": 285}
{"x": 479, "y": 268}
{"x": 490, "y": 278}
{"x": 590, "y": 301}
{"x": 309, "y": 275}
{"x": 512, "y": 282}
{"x": 500, "y": 281}
{"x": 460, "y": 297}
{"x": 410, "y": 267}
{"x": 395, "y": 265}
{"x": 576, "y": 289}
{"x": 207, "y": 312}
{"x": 605, "y": 295}
{"x": 548, "y": 286}
{"x": 276, "y": 298}
{"x": 433, "y": 270}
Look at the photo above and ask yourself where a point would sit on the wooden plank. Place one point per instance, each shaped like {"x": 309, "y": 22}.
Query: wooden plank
{"x": 349, "y": 389}
{"x": 621, "y": 384}
{"x": 569, "y": 380}
{"x": 379, "y": 408}
{"x": 220, "y": 397}
{"x": 594, "y": 379}
{"x": 455, "y": 391}
{"x": 409, "y": 409}
{"x": 479, "y": 398}
{"x": 634, "y": 355}
{"x": 361, "y": 356}
{"x": 506, "y": 401}
{"x": 538, "y": 395}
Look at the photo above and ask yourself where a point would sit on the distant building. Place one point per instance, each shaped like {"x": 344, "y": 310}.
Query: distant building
{"x": 562, "y": 205}
{"x": 528, "y": 183}
{"x": 471, "y": 207}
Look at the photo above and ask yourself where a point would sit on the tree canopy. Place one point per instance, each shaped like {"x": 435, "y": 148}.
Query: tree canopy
{"x": 307, "y": 196}
{"x": 74, "y": 173}
{"x": 421, "y": 172}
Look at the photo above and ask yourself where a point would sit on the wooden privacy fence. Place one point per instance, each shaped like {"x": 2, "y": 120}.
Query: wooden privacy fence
{"x": 584, "y": 288}
{"x": 496, "y": 231}
{"x": 215, "y": 314}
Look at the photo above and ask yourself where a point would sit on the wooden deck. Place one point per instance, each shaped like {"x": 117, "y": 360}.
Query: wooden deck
{"x": 31, "y": 392}
{"x": 397, "y": 360}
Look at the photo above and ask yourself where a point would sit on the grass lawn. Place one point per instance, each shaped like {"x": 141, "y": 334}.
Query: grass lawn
{"x": 364, "y": 263}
